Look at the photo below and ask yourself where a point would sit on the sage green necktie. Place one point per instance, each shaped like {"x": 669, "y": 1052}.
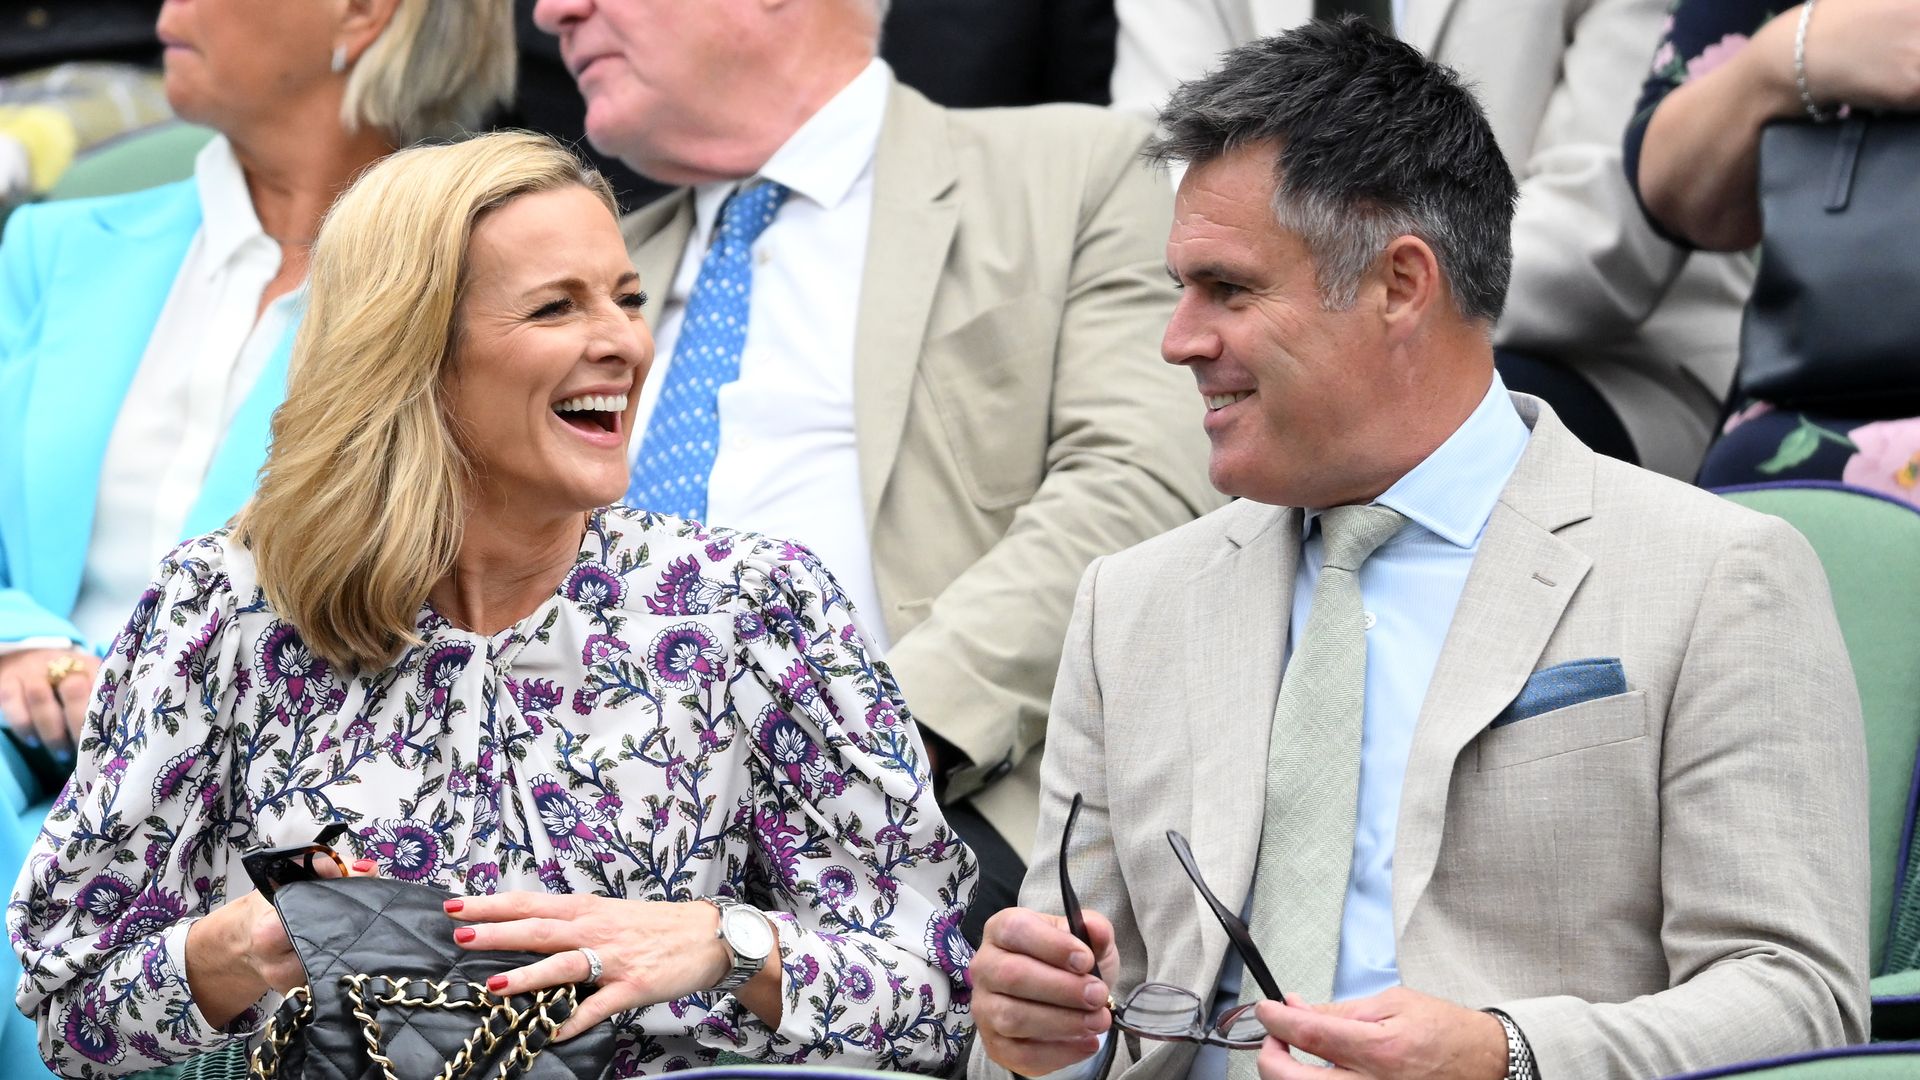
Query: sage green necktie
{"x": 1313, "y": 772}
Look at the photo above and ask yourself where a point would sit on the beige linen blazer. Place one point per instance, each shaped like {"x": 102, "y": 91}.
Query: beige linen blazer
{"x": 1012, "y": 414}
{"x": 1650, "y": 883}
{"x": 1655, "y": 330}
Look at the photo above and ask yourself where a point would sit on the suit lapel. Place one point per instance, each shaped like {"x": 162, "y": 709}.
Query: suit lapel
{"x": 914, "y": 217}
{"x": 1232, "y": 719}
{"x": 1520, "y": 583}
{"x": 89, "y": 363}
{"x": 1425, "y": 20}
{"x": 657, "y": 237}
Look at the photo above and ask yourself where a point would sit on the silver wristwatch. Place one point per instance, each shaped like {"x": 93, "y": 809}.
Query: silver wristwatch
{"x": 748, "y": 935}
{"x": 1519, "y": 1054}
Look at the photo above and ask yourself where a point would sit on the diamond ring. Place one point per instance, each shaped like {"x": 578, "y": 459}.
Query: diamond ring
{"x": 593, "y": 964}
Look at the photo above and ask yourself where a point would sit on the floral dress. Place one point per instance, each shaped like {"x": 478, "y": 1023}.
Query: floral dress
{"x": 694, "y": 712}
{"x": 1760, "y": 442}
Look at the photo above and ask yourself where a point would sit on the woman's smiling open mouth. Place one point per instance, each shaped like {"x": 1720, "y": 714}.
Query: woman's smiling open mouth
{"x": 593, "y": 413}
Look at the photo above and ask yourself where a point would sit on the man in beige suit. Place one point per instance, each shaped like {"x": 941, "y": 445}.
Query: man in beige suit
{"x": 1522, "y": 754}
{"x": 947, "y": 386}
{"x": 1599, "y": 302}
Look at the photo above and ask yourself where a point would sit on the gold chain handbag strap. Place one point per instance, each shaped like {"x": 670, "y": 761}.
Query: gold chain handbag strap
{"x": 528, "y": 1031}
{"x": 281, "y": 1029}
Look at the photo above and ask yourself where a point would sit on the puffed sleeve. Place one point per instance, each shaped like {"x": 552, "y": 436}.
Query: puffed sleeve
{"x": 867, "y": 882}
{"x": 136, "y": 847}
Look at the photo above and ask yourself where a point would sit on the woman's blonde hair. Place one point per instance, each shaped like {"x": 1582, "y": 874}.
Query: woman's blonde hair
{"x": 362, "y": 499}
{"x": 435, "y": 71}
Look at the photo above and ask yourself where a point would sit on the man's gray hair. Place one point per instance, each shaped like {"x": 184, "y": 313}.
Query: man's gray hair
{"x": 1372, "y": 142}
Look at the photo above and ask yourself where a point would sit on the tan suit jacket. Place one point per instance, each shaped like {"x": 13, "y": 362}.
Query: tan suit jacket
{"x": 1656, "y": 331}
{"x": 1658, "y": 881}
{"x": 1012, "y": 414}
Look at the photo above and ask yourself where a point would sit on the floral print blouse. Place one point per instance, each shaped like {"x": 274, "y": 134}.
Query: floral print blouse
{"x": 694, "y": 712}
{"x": 1760, "y": 443}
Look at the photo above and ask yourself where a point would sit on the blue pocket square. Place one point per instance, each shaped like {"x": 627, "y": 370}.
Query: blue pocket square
{"x": 1565, "y": 684}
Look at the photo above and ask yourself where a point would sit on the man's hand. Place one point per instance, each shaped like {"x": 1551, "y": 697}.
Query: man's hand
{"x": 1399, "y": 1034}
{"x": 1036, "y": 1003}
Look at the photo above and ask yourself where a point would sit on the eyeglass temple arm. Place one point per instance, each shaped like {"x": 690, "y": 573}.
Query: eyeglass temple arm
{"x": 1076, "y": 922}
{"x": 1237, "y": 932}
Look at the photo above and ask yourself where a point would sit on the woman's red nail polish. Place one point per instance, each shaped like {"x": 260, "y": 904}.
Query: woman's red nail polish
{"x": 454, "y": 905}
{"x": 496, "y": 983}
{"x": 364, "y": 866}
{"x": 465, "y": 934}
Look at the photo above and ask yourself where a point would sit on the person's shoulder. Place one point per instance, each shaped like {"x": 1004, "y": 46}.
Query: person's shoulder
{"x": 1673, "y": 507}
{"x": 1071, "y": 123}
{"x": 207, "y": 564}
{"x": 666, "y": 564}
{"x": 1174, "y": 556}
{"x": 1064, "y": 131}
{"x": 133, "y": 211}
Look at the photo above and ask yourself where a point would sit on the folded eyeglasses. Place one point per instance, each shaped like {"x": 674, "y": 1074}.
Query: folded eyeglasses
{"x": 1161, "y": 1011}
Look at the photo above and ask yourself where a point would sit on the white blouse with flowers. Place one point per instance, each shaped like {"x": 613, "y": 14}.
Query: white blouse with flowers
{"x": 692, "y": 713}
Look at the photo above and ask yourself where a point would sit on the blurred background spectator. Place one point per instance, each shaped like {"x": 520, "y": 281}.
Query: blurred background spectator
{"x": 959, "y": 53}
{"x": 1723, "y": 70}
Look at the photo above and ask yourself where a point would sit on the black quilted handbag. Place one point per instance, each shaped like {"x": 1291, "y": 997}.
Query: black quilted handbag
{"x": 389, "y": 996}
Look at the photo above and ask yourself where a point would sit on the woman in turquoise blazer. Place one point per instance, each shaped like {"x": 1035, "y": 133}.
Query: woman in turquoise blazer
{"x": 304, "y": 97}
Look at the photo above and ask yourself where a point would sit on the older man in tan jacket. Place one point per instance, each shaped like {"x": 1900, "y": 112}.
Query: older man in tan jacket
{"x": 1511, "y": 754}
{"x": 948, "y": 385}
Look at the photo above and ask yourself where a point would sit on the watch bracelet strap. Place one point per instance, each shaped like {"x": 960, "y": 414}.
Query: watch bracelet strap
{"x": 1520, "y": 1063}
{"x": 737, "y": 976}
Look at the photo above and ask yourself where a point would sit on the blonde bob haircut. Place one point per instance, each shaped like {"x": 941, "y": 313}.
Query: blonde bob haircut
{"x": 362, "y": 500}
{"x": 434, "y": 72}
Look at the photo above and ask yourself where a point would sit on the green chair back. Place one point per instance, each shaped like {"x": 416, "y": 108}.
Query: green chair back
{"x": 1870, "y": 548}
{"x": 139, "y": 159}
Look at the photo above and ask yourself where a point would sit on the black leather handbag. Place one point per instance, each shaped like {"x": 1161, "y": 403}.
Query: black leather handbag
{"x": 389, "y": 996}
{"x": 1831, "y": 326}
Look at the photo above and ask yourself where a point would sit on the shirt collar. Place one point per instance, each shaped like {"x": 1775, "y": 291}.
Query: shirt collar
{"x": 227, "y": 220}
{"x": 1452, "y": 493}
{"x": 828, "y": 154}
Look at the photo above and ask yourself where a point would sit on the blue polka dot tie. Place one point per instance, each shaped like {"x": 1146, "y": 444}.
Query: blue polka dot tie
{"x": 683, "y": 434}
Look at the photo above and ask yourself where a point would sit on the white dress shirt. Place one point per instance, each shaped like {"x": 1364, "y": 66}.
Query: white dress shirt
{"x": 202, "y": 360}
{"x": 787, "y": 465}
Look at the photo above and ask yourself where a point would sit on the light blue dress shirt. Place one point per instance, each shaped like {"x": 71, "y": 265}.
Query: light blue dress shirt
{"x": 1409, "y": 589}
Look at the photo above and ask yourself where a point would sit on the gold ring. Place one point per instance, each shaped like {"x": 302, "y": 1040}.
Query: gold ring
{"x": 59, "y": 669}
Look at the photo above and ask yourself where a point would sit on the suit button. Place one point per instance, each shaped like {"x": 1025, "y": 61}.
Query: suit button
{"x": 37, "y": 18}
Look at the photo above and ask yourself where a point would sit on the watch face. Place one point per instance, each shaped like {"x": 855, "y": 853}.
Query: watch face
{"x": 749, "y": 933}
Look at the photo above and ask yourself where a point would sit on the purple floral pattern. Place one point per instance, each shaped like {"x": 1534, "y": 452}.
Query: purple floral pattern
{"x": 690, "y": 714}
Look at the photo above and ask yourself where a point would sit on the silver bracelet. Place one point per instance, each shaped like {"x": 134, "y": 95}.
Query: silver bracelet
{"x": 1800, "y": 67}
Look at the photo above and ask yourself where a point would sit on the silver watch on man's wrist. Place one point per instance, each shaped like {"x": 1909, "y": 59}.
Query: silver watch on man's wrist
{"x": 748, "y": 935}
{"x": 1519, "y": 1054}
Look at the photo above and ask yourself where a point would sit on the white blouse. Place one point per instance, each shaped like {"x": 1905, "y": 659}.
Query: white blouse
{"x": 692, "y": 713}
